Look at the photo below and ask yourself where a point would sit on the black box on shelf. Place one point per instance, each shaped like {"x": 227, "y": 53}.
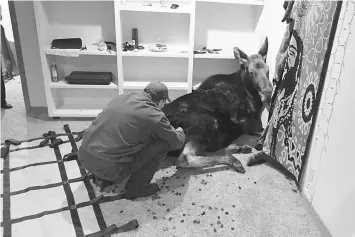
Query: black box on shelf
{"x": 67, "y": 43}
{"x": 89, "y": 78}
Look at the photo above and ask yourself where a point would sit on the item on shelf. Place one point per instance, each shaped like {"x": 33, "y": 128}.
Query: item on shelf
{"x": 130, "y": 47}
{"x": 158, "y": 48}
{"x": 54, "y": 73}
{"x": 205, "y": 50}
{"x": 147, "y": 4}
{"x": 105, "y": 45}
{"x": 102, "y": 46}
{"x": 67, "y": 43}
{"x": 89, "y": 78}
{"x": 174, "y": 6}
{"x": 135, "y": 37}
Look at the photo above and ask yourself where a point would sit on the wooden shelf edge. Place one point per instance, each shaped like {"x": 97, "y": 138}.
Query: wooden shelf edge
{"x": 77, "y": 52}
{"x": 62, "y": 112}
{"x": 244, "y": 2}
{"x": 63, "y": 85}
{"x": 143, "y": 84}
{"x": 139, "y": 7}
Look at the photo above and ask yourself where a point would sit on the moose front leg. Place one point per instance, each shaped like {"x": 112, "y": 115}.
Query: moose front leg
{"x": 193, "y": 157}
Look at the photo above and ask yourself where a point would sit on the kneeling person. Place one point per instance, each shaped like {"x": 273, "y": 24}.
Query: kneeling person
{"x": 129, "y": 138}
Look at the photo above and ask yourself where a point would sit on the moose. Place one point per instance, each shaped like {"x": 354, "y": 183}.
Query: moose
{"x": 221, "y": 109}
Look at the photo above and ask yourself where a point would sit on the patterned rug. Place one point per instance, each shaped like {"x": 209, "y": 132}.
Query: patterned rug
{"x": 300, "y": 73}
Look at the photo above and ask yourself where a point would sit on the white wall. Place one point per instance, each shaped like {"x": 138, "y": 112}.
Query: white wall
{"x": 30, "y": 52}
{"x": 330, "y": 177}
{"x": 6, "y": 21}
{"x": 270, "y": 25}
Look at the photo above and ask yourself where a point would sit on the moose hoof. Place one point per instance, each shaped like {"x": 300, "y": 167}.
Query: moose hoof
{"x": 259, "y": 146}
{"x": 246, "y": 149}
{"x": 237, "y": 166}
{"x": 255, "y": 159}
{"x": 234, "y": 148}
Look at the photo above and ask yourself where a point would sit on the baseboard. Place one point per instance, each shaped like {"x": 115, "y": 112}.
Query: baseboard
{"x": 38, "y": 112}
{"x": 316, "y": 217}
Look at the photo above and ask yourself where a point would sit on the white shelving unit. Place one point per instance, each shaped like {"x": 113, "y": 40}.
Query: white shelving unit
{"x": 214, "y": 24}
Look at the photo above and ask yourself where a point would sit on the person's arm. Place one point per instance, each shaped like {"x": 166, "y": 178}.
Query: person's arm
{"x": 164, "y": 130}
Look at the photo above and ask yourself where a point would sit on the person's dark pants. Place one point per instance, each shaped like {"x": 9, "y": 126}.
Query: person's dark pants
{"x": 3, "y": 92}
{"x": 147, "y": 163}
{"x": 140, "y": 171}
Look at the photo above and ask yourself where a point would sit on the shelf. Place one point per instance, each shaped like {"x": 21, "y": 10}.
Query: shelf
{"x": 246, "y": 2}
{"x": 90, "y": 113}
{"x": 172, "y": 52}
{"x": 223, "y": 54}
{"x": 182, "y": 9}
{"x": 63, "y": 85}
{"x": 196, "y": 86}
{"x": 91, "y": 50}
{"x": 248, "y": 42}
{"x": 143, "y": 84}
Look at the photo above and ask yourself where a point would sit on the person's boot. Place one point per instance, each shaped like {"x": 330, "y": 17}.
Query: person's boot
{"x": 138, "y": 185}
{"x": 6, "y": 106}
{"x": 144, "y": 191}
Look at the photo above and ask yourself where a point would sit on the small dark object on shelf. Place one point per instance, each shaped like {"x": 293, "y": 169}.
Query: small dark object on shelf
{"x": 111, "y": 45}
{"x": 128, "y": 47}
{"x": 67, "y": 43}
{"x": 174, "y": 6}
{"x": 83, "y": 48}
{"x": 199, "y": 52}
{"x": 89, "y": 78}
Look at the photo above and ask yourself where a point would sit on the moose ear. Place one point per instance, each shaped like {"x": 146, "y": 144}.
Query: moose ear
{"x": 263, "y": 50}
{"x": 240, "y": 56}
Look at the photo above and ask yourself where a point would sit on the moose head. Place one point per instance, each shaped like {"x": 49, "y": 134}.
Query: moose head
{"x": 255, "y": 70}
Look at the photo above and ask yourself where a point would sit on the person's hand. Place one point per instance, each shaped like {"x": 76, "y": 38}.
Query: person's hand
{"x": 180, "y": 129}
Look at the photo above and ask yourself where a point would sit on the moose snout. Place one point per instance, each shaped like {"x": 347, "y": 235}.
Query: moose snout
{"x": 266, "y": 95}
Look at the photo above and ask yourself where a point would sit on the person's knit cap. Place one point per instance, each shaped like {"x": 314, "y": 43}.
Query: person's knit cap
{"x": 158, "y": 91}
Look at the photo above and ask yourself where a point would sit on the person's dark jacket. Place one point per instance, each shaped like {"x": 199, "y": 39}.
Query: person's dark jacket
{"x": 126, "y": 125}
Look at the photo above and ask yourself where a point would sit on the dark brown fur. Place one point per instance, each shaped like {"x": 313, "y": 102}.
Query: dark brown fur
{"x": 219, "y": 111}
